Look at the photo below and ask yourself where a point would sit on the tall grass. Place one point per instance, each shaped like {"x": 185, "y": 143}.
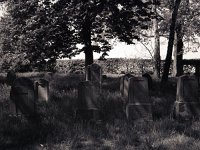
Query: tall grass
{"x": 59, "y": 130}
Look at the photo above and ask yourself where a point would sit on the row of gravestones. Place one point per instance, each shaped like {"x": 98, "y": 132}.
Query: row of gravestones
{"x": 134, "y": 89}
{"x": 136, "y": 92}
{"x": 25, "y": 93}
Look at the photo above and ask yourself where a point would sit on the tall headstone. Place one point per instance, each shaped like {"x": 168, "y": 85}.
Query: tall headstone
{"x": 139, "y": 106}
{"x": 22, "y": 94}
{"x": 87, "y": 103}
{"x": 94, "y": 74}
{"x": 187, "y": 104}
{"x": 41, "y": 90}
{"x": 124, "y": 85}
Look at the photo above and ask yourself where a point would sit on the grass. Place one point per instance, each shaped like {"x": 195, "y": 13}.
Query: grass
{"x": 59, "y": 130}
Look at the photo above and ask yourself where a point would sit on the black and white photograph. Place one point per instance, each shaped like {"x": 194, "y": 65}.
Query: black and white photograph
{"x": 99, "y": 75}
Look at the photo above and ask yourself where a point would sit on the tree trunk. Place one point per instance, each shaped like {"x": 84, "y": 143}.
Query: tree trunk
{"x": 178, "y": 52}
{"x": 88, "y": 55}
{"x": 170, "y": 42}
{"x": 157, "y": 45}
{"x": 87, "y": 41}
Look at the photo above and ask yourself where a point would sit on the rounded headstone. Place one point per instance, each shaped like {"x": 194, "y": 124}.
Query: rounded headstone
{"x": 94, "y": 67}
{"x": 149, "y": 79}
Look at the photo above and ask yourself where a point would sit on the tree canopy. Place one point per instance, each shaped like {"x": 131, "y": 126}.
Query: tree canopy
{"x": 51, "y": 30}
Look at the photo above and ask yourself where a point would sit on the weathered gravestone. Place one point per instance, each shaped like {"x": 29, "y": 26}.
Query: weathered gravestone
{"x": 187, "y": 104}
{"x": 87, "y": 107}
{"x": 124, "y": 85}
{"x": 42, "y": 90}
{"x": 139, "y": 106}
{"x": 22, "y": 94}
{"x": 149, "y": 79}
{"x": 94, "y": 74}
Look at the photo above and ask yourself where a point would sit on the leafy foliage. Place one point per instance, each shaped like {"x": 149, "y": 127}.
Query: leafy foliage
{"x": 188, "y": 17}
{"x": 40, "y": 30}
{"x": 51, "y": 30}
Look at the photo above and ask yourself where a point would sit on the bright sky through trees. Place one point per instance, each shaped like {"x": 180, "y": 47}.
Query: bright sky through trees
{"x": 122, "y": 50}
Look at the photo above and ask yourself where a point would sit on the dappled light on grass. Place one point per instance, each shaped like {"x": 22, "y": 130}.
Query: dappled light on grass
{"x": 59, "y": 129}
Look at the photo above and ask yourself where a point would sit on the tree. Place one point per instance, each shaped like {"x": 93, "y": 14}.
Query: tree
{"x": 170, "y": 42}
{"x": 99, "y": 21}
{"x": 157, "y": 59}
{"x": 47, "y": 30}
{"x": 187, "y": 29}
{"x": 40, "y": 30}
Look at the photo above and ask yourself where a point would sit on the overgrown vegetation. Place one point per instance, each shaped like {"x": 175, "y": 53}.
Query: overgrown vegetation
{"x": 58, "y": 129}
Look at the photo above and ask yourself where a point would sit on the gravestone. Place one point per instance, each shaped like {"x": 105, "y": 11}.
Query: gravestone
{"x": 139, "y": 106}
{"x": 42, "y": 90}
{"x": 94, "y": 74}
{"x": 87, "y": 107}
{"x": 187, "y": 104}
{"x": 149, "y": 79}
{"x": 22, "y": 94}
{"x": 124, "y": 84}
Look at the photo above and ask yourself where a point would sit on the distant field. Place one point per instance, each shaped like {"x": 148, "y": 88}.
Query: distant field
{"x": 115, "y": 66}
{"x": 109, "y": 66}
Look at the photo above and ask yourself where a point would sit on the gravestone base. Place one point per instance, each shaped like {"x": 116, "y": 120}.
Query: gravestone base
{"x": 187, "y": 110}
{"x": 88, "y": 114}
{"x": 139, "y": 112}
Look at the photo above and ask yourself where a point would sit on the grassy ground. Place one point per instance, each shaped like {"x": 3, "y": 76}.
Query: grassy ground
{"x": 59, "y": 130}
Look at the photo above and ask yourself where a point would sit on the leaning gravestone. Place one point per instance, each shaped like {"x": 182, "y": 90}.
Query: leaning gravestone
{"x": 139, "y": 105}
{"x": 94, "y": 74}
{"x": 124, "y": 85}
{"x": 87, "y": 107}
{"x": 22, "y": 94}
{"x": 187, "y": 104}
{"x": 42, "y": 90}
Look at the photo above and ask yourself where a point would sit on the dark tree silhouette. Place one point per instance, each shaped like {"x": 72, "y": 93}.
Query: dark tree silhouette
{"x": 170, "y": 42}
{"x": 47, "y": 30}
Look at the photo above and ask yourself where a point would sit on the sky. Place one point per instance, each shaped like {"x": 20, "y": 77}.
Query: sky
{"x": 122, "y": 50}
